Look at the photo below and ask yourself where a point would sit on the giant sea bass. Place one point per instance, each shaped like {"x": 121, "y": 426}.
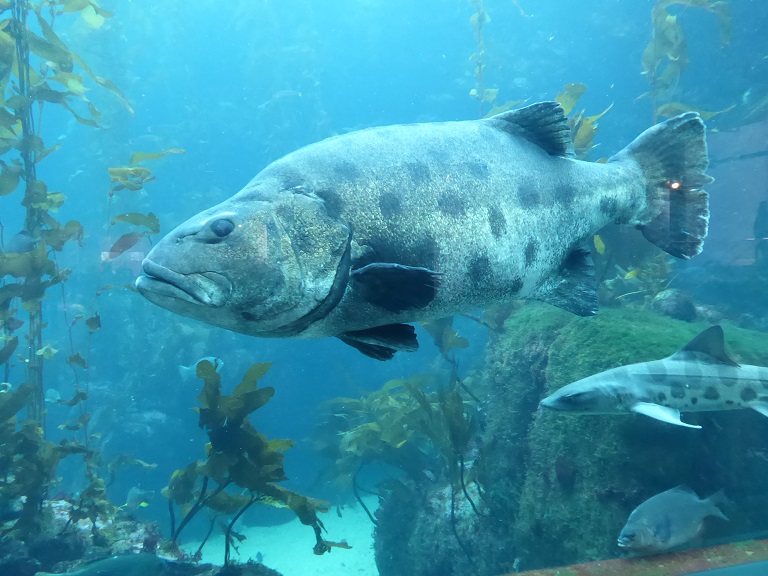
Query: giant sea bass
{"x": 358, "y": 235}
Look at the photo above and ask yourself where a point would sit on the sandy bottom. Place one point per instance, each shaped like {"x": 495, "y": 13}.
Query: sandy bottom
{"x": 287, "y": 548}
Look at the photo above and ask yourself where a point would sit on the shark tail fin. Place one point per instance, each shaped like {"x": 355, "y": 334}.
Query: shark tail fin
{"x": 673, "y": 158}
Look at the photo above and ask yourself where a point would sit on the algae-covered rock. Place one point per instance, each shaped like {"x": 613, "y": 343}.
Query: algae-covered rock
{"x": 558, "y": 487}
{"x": 585, "y": 473}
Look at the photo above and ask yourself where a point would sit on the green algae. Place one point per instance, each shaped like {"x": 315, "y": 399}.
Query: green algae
{"x": 568, "y": 482}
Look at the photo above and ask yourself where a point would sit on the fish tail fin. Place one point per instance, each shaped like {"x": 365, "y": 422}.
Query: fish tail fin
{"x": 673, "y": 158}
{"x": 715, "y": 501}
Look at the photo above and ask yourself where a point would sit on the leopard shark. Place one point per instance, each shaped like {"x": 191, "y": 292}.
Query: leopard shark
{"x": 699, "y": 377}
{"x": 360, "y": 235}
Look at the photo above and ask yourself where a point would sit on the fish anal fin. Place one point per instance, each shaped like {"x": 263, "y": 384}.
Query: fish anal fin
{"x": 662, "y": 413}
{"x": 709, "y": 346}
{"x": 574, "y": 288}
{"x": 382, "y": 342}
{"x": 396, "y": 287}
{"x": 543, "y": 124}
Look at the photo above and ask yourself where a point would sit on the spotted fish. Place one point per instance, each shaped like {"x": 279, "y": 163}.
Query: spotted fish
{"x": 699, "y": 377}
{"x": 358, "y": 235}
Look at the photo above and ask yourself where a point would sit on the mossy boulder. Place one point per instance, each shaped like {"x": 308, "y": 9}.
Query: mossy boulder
{"x": 583, "y": 475}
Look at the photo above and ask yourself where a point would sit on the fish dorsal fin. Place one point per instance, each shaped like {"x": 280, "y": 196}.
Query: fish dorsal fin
{"x": 543, "y": 124}
{"x": 709, "y": 346}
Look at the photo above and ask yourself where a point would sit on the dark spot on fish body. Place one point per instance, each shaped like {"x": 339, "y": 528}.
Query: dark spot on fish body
{"x": 390, "y": 205}
{"x": 347, "y": 170}
{"x": 333, "y": 201}
{"x": 478, "y": 170}
{"x": 497, "y": 221}
{"x": 747, "y": 394}
{"x": 528, "y": 196}
{"x": 530, "y": 252}
{"x": 729, "y": 402}
{"x": 418, "y": 172}
{"x": 677, "y": 390}
{"x": 711, "y": 393}
{"x": 694, "y": 400}
{"x": 609, "y": 206}
{"x": 452, "y": 205}
{"x": 566, "y": 194}
{"x": 479, "y": 269}
{"x": 661, "y": 397}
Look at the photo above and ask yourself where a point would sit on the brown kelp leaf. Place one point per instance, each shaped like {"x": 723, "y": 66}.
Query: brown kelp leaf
{"x": 11, "y": 323}
{"x": 103, "y": 82}
{"x": 252, "y": 377}
{"x": 47, "y": 50}
{"x": 137, "y": 157}
{"x": 78, "y": 397}
{"x": 508, "y": 105}
{"x": 138, "y": 219}
{"x": 124, "y": 243}
{"x": 133, "y": 178}
{"x": 57, "y": 236}
{"x": 77, "y": 360}
{"x": 570, "y": 95}
{"x": 47, "y": 352}
{"x": 674, "y": 108}
{"x": 9, "y": 179}
{"x": 13, "y": 401}
{"x": 72, "y": 5}
{"x": 21, "y": 265}
{"x": 586, "y": 129}
{"x": 7, "y": 351}
{"x": 280, "y": 444}
{"x": 94, "y": 322}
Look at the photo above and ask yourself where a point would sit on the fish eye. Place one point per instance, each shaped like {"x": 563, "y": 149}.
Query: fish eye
{"x": 222, "y": 227}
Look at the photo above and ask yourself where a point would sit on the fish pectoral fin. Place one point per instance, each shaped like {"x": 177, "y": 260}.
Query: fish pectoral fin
{"x": 395, "y": 287}
{"x": 382, "y": 342}
{"x": 574, "y": 288}
{"x": 659, "y": 412}
{"x": 759, "y": 406}
{"x": 543, "y": 124}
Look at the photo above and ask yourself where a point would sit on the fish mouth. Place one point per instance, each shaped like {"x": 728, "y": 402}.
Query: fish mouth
{"x": 623, "y": 542}
{"x": 160, "y": 283}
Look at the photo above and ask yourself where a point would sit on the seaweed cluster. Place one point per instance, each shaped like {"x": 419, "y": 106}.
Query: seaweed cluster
{"x": 238, "y": 456}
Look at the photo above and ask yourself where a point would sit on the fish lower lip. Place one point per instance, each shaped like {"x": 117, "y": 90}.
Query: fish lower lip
{"x": 207, "y": 288}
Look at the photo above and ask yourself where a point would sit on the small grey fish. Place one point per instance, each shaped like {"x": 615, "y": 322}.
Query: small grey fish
{"x": 361, "y": 234}
{"x": 669, "y": 519}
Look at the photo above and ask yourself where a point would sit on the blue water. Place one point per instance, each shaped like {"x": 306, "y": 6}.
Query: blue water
{"x": 239, "y": 84}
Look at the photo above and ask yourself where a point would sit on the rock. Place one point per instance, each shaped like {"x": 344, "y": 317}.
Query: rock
{"x": 675, "y": 304}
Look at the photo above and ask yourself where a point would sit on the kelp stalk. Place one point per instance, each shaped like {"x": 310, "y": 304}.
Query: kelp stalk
{"x": 33, "y": 218}
{"x": 228, "y": 534}
{"x": 359, "y": 499}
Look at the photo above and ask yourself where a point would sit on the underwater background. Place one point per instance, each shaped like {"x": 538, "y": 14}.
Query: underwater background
{"x": 213, "y": 92}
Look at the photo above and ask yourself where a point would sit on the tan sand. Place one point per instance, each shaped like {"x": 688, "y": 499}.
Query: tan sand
{"x": 287, "y": 548}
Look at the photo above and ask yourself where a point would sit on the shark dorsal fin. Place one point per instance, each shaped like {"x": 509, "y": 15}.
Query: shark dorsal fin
{"x": 708, "y": 346}
{"x": 543, "y": 124}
